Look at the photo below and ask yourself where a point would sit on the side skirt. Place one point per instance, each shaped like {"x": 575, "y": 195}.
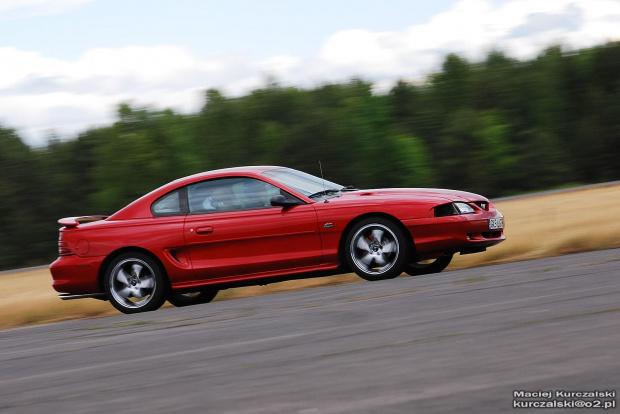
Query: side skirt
{"x": 69, "y": 296}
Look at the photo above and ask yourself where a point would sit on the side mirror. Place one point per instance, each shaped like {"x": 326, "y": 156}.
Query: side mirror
{"x": 281, "y": 201}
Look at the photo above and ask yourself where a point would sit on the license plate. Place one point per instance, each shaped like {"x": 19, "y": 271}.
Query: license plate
{"x": 496, "y": 223}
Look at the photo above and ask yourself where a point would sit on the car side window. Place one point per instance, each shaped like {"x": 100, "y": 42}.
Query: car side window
{"x": 168, "y": 205}
{"x": 230, "y": 194}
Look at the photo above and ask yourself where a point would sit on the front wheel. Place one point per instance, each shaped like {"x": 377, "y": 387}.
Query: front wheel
{"x": 376, "y": 249}
{"x": 192, "y": 298}
{"x": 135, "y": 283}
{"x": 428, "y": 267}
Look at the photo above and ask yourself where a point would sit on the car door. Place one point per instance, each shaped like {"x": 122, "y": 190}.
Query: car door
{"x": 232, "y": 230}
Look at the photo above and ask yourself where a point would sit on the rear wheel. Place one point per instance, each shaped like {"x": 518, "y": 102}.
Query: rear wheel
{"x": 428, "y": 266}
{"x": 376, "y": 249}
{"x": 192, "y": 298}
{"x": 135, "y": 283}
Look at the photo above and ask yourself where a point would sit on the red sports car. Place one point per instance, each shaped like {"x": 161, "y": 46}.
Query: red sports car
{"x": 254, "y": 225}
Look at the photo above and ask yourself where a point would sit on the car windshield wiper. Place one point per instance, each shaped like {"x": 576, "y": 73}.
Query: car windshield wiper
{"x": 327, "y": 191}
{"x": 349, "y": 188}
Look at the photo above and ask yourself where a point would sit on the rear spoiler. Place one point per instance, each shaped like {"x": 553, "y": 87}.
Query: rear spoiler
{"x": 70, "y": 222}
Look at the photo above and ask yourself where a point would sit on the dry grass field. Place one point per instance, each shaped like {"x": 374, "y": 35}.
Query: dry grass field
{"x": 537, "y": 226}
{"x": 552, "y": 225}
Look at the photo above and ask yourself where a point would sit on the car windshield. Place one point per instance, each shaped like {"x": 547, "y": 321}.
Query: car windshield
{"x": 304, "y": 183}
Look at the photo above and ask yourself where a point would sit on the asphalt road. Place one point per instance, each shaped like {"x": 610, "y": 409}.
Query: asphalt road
{"x": 458, "y": 342}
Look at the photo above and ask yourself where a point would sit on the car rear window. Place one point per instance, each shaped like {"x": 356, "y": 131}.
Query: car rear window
{"x": 168, "y": 205}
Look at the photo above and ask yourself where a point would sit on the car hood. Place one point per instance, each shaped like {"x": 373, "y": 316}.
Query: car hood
{"x": 420, "y": 194}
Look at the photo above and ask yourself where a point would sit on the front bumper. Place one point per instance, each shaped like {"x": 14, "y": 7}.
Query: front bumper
{"x": 467, "y": 233}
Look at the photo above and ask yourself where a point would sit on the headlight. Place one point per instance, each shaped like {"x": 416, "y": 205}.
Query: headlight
{"x": 464, "y": 208}
{"x": 453, "y": 209}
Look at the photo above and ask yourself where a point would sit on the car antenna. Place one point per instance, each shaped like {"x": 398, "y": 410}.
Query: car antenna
{"x": 323, "y": 180}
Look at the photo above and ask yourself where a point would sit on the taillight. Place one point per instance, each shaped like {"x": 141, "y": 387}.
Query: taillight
{"x": 63, "y": 248}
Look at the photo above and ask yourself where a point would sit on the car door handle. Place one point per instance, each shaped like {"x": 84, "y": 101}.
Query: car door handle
{"x": 204, "y": 230}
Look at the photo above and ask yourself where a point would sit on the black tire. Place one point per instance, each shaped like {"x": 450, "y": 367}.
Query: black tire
{"x": 192, "y": 298}
{"x": 422, "y": 268}
{"x": 135, "y": 283}
{"x": 376, "y": 249}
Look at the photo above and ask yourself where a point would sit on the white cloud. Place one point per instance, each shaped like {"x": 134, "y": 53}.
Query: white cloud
{"x": 39, "y": 93}
{"x": 472, "y": 28}
{"x": 279, "y": 66}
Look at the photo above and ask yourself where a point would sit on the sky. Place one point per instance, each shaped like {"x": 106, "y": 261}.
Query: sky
{"x": 66, "y": 65}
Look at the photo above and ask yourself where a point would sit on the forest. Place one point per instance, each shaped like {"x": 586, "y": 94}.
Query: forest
{"x": 497, "y": 127}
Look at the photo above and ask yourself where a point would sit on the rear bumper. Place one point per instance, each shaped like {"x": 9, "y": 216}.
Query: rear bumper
{"x": 76, "y": 275}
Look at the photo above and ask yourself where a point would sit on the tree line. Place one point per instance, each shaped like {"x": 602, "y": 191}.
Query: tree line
{"x": 496, "y": 127}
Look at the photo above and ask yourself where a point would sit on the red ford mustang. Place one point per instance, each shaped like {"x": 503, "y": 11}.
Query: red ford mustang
{"x": 254, "y": 225}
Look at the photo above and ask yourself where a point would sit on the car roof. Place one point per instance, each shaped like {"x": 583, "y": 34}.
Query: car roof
{"x": 249, "y": 170}
{"x": 140, "y": 208}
